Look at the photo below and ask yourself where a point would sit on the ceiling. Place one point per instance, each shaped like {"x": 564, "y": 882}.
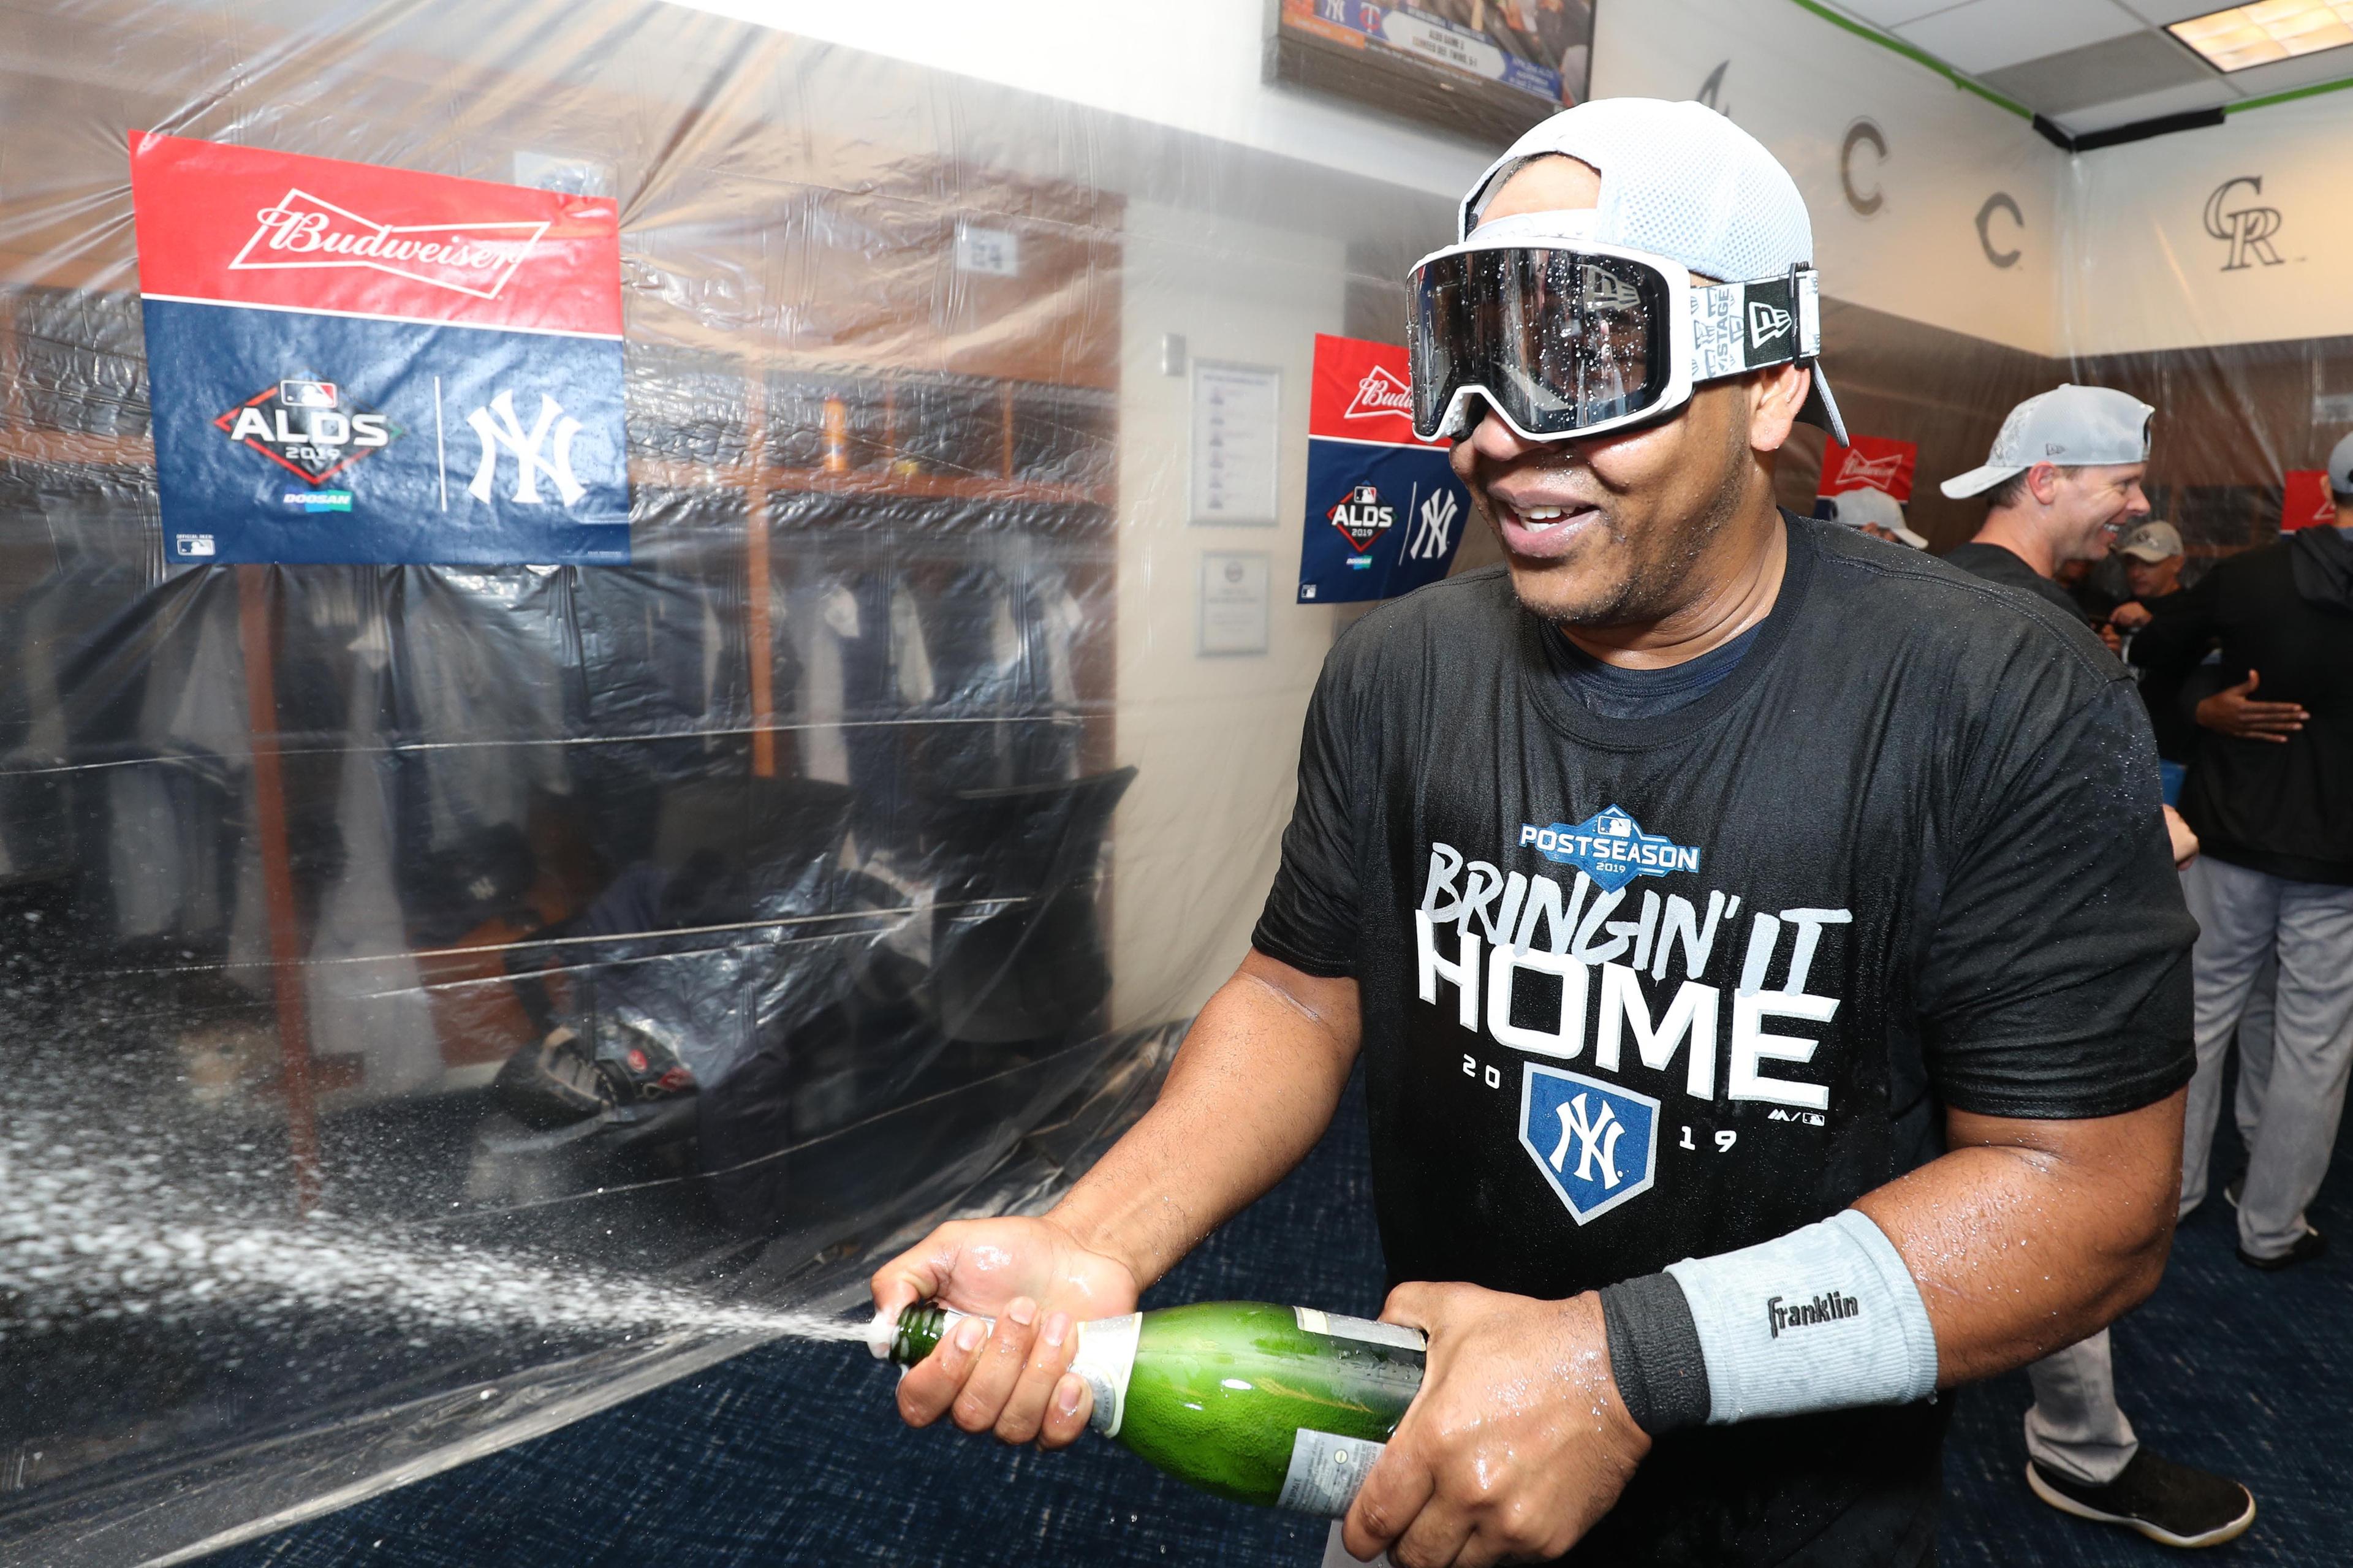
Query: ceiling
{"x": 2088, "y": 64}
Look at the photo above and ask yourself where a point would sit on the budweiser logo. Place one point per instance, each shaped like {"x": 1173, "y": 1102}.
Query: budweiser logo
{"x": 471, "y": 258}
{"x": 1379, "y": 395}
{"x": 1879, "y": 473}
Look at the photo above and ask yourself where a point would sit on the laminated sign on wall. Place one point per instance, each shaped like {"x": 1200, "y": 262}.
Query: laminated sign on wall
{"x": 1384, "y": 511}
{"x": 355, "y": 363}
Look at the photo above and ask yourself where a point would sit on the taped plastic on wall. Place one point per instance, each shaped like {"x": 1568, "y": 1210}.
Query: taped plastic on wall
{"x": 447, "y": 1000}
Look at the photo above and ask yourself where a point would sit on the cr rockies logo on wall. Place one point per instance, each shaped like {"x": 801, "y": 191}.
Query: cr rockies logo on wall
{"x": 2245, "y": 227}
{"x": 1384, "y": 511}
{"x": 354, "y": 363}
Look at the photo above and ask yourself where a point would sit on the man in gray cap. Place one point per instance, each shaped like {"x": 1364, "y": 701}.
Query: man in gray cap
{"x": 2063, "y": 480}
{"x": 2267, "y": 796}
{"x": 1763, "y": 1027}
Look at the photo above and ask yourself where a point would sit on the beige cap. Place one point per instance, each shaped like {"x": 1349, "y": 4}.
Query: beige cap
{"x": 2152, "y": 542}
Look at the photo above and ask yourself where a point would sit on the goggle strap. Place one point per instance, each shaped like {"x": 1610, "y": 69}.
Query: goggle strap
{"x": 1738, "y": 327}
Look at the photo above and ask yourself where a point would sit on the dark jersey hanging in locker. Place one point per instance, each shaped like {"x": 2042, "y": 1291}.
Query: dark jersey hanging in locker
{"x": 1637, "y": 990}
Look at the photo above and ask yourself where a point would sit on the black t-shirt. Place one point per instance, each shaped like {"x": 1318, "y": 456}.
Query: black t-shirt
{"x": 2270, "y": 807}
{"x": 2007, "y": 567}
{"x": 1907, "y": 854}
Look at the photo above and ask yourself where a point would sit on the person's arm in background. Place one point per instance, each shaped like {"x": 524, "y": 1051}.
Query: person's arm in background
{"x": 1251, "y": 1089}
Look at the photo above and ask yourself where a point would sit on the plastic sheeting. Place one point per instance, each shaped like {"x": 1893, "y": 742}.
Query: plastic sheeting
{"x": 447, "y": 1000}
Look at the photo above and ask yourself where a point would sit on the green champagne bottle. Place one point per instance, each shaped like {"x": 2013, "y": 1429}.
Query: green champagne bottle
{"x": 1284, "y": 1406}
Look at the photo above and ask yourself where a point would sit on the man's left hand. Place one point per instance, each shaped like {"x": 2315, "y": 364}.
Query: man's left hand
{"x": 1516, "y": 1444}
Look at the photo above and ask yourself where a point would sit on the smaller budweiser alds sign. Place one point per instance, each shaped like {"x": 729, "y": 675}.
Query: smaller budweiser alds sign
{"x": 2308, "y": 503}
{"x": 1384, "y": 513}
{"x": 1872, "y": 462}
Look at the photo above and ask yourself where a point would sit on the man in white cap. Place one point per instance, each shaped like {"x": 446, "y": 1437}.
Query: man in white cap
{"x": 1764, "y": 1027}
{"x": 1876, "y": 513}
{"x": 2267, "y": 794}
{"x": 2083, "y": 1455}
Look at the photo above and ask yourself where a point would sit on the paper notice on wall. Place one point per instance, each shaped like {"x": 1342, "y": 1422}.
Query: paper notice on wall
{"x": 356, "y": 363}
{"x": 1234, "y": 601}
{"x": 1237, "y": 435}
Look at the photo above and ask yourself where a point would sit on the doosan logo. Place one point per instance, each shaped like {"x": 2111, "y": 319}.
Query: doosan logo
{"x": 1381, "y": 395}
{"x": 304, "y": 231}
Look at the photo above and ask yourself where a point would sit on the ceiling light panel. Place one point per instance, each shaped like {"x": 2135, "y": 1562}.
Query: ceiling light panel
{"x": 2257, "y": 35}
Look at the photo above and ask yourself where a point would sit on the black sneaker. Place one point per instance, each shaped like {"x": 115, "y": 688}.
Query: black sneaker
{"x": 2165, "y": 1502}
{"x": 2308, "y": 1246}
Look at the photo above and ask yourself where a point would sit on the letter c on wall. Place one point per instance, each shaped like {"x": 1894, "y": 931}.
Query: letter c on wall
{"x": 1861, "y": 131}
{"x": 1999, "y": 202}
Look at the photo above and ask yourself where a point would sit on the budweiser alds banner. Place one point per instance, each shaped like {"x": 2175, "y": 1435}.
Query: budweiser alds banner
{"x": 1874, "y": 462}
{"x": 354, "y": 363}
{"x": 1384, "y": 511}
{"x": 2308, "y": 503}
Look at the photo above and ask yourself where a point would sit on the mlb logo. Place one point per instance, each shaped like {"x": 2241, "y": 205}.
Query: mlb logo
{"x": 193, "y": 544}
{"x": 307, "y": 394}
{"x": 1596, "y": 1142}
{"x": 1617, "y": 827}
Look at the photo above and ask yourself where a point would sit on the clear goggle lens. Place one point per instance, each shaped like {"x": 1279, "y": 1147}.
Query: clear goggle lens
{"x": 1561, "y": 340}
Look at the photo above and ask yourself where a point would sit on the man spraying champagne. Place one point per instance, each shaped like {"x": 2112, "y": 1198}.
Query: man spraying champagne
{"x": 1731, "y": 913}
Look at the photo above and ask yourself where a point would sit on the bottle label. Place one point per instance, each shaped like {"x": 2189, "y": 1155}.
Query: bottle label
{"x": 1105, "y": 1357}
{"x": 1396, "y": 1336}
{"x": 1326, "y": 1470}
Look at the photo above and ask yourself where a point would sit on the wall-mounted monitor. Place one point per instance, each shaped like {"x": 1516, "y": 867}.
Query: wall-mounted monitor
{"x": 1486, "y": 70}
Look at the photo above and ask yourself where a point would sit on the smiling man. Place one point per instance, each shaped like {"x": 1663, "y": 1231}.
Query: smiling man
{"x": 2061, "y": 483}
{"x": 1760, "y": 943}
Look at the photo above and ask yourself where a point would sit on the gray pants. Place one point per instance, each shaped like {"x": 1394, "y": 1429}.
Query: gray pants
{"x": 2297, "y": 1096}
{"x": 2074, "y": 1426}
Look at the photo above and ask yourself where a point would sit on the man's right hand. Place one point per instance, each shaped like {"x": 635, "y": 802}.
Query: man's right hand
{"x": 2233, "y": 711}
{"x": 1035, "y": 1278}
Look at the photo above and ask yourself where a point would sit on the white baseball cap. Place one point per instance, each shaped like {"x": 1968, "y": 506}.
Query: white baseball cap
{"x": 1678, "y": 181}
{"x": 2340, "y": 467}
{"x": 2069, "y": 425}
{"x": 1855, "y": 508}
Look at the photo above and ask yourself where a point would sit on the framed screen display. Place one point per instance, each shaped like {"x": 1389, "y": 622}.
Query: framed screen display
{"x": 1484, "y": 68}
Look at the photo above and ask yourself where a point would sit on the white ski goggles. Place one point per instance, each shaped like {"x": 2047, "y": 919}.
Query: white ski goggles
{"x": 1564, "y": 337}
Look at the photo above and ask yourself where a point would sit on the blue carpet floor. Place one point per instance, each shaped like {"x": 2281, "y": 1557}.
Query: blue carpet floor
{"x": 792, "y": 1455}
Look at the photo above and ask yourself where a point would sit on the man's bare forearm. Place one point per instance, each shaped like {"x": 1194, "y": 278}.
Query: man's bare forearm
{"x": 1251, "y": 1089}
{"x": 2029, "y": 1235}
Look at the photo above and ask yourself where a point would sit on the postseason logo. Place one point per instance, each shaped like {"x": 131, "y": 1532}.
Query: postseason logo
{"x": 1610, "y": 848}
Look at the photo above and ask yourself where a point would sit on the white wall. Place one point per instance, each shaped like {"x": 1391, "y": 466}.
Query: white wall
{"x": 1799, "y": 84}
{"x": 2148, "y": 274}
{"x": 1215, "y": 739}
{"x": 1193, "y": 66}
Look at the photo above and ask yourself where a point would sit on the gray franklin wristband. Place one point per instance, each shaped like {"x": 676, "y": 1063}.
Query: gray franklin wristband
{"x": 1655, "y": 1355}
